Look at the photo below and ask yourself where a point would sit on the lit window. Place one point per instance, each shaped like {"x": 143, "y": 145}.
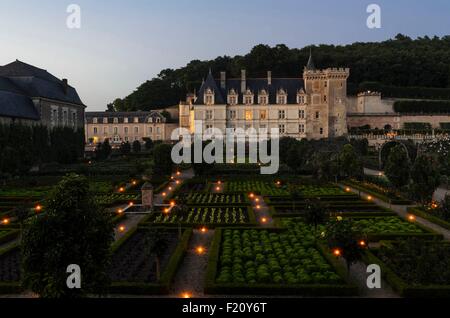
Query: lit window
{"x": 248, "y": 115}
{"x": 263, "y": 114}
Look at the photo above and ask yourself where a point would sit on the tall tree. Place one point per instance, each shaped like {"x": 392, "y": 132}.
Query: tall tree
{"x": 397, "y": 167}
{"x": 162, "y": 158}
{"x": 74, "y": 230}
{"x": 425, "y": 179}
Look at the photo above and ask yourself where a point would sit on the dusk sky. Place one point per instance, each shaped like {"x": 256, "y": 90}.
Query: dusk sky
{"x": 123, "y": 43}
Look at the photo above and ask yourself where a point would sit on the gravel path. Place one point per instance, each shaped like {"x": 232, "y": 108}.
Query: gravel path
{"x": 262, "y": 212}
{"x": 190, "y": 277}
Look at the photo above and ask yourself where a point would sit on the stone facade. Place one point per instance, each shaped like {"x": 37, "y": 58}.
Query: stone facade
{"x": 119, "y": 127}
{"x": 312, "y": 107}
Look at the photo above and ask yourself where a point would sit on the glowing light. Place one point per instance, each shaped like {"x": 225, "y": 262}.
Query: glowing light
{"x": 337, "y": 252}
{"x": 347, "y": 189}
{"x": 172, "y": 177}
{"x": 90, "y": 162}
{"x": 339, "y": 218}
{"x": 121, "y": 189}
{"x": 362, "y": 243}
{"x": 278, "y": 182}
{"x": 177, "y": 182}
{"x": 218, "y": 189}
{"x": 172, "y": 203}
{"x": 170, "y": 188}
{"x": 257, "y": 199}
{"x": 164, "y": 194}
{"x": 5, "y": 221}
{"x": 200, "y": 250}
{"x": 369, "y": 198}
{"x": 186, "y": 295}
{"x": 434, "y": 205}
{"x": 166, "y": 210}
{"x": 251, "y": 195}
{"x": 203, "y": 229}
{"x": 122, "y": 228}
{"x": 120, "y": 211}
{"x": 38, "y": 208}
{"x": 264, "y": 220}
{"x": 380, "y": 173}
{"x": 134, "y": 182}
{"x": 411, "y": 217}
{"x": 178, "y": 173}
{"x": 219, "y": 182}
{"x": 131, "y": 203}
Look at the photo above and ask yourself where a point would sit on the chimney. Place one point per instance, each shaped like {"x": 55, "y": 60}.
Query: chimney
{"x": 269, "y": 77}
{"x": 65, "y": 85}
{"x": 243, "y": 81}
{"x": 223, "y": 80}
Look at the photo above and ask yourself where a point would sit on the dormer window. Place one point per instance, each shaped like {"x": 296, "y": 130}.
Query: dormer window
{"x": 281, "y": 97}
{"x": 263, "y": 97}
{"x": 248, "y": 97}
{"x": 301, "y": 97}
{"x": 209, "y": 97}
{"x": 232, "y": 97}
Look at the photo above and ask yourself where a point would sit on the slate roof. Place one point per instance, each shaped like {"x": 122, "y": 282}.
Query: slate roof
{"x": 290, "y": 85}
{"x": 20, "y": 82}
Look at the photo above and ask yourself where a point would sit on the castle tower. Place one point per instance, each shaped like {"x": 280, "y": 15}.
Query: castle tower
{"x": 327, "y": 91}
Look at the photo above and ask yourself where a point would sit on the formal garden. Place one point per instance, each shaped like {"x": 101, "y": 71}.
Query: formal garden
{"x": 302, "y": 233}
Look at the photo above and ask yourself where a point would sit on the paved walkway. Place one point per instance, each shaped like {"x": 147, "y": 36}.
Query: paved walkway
{"x": 402, "y": 211}
{"x": 190, "y": 278}
{"x": 262, "y": 212}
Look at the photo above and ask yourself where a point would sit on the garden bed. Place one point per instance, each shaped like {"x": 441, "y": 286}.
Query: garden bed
{"x": 257, "y": 187}
{"x": 410, "y": 272}
{"x": 210, "y": 216}
{"x": 133, "y": 269}
{"x": 273, "y": 262}
{"x": 209, "y": 199}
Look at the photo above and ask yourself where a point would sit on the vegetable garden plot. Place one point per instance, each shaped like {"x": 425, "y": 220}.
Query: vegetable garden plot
{"x": 260, "y": 187}
{"x": 212, "y": 198}
{"x": 115, "y": 198}
{"x": 268, "y": 261}
{"x": 228, "y": 215}
{"x": 133, "y": 261}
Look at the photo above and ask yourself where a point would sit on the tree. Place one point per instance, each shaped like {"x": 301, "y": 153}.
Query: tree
{"x": 162, "y": 158}
{"x": 148, "y": 143}
{"x": 103, "y": 150}
{"x": 155, "y": 244}
{"x": 397, "y": 167}
{"x": 136, "y": 146}
{"x": 315, "y": 213}
{"x": 74, "y": 230}
{"x": 342, "y": 236}
{"x": 350, "y": 163}
{"x": 425, "y": 179}
{"x": 125, "y": 148}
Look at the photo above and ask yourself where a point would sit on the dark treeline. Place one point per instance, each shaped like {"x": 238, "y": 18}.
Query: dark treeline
{"x": 24, "y": 146}
{"x": 399, "y": 62}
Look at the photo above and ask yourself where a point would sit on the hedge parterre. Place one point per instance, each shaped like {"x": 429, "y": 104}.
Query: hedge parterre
{"x": 262, "y": 256}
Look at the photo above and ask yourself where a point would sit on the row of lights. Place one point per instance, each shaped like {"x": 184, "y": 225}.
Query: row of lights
{"x": 263, "y": 220}
{"x": 338, "y": 252}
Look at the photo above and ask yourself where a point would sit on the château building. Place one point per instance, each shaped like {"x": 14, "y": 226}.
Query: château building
{"x": 119, "y": 127}
{"x": 31, "y": 95}
{"x": 312, "y": 106}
